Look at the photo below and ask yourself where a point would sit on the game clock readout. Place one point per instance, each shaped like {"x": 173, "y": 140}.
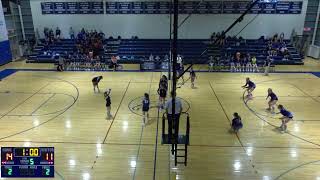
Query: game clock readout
{"x": 27, "y": 162}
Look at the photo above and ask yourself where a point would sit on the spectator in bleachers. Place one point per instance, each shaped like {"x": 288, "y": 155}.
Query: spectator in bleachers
{"x": 232, "y": 64}
{"x": 101, "y": 35}
{"x": 238, "y": 61}
{"x": 71, "y": 33}
{"x": 157, "y": 58}
{"x": 179, "y": 59}
{"x": 151, "y": 57}
{"x": 281, "y": 38}
{"x": 58, "y": 33}
{"x": 248, "y": 63}
{"x": 222, "y": 38}
{"x": 51, "y": 36}
{"x": 254, "y": 64}
{"x": 275, "y": 38}
{"x": 46, "y": 33}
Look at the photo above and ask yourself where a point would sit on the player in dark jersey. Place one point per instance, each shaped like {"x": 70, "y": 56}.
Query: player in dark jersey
{"x": 108, "y": 103}
{"x": 164, "y": 82}
{"x": 181, "y": 70}
{"x": 192, "y": 77}
{"x": 162, "y": 91}
{"x": 273, "y": 100}
{"x": 145, "y": 108}
{"x": 286, "y": 117}
{"x": 95, "y": 83}
{"x": 250, "y": 87}
{"x": 236, "y": 122}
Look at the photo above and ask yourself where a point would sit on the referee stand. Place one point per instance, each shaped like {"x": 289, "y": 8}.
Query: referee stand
{"x": 179, "y": 142}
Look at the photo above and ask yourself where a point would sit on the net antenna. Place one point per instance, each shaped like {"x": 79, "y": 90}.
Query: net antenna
{"x": 238, "y": 20}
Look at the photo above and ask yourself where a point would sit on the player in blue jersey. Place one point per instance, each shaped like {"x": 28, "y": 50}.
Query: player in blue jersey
{"x": 108, "y": 103}
{"x": 286, "y": 117}
{"x": 273, "y": 100}
{"x": 192, "y": 77}
{"x": 250, "y": 87}
{"x": 236, "y": 122}
{"x": 95, "y": 83}
{"x": 145, "y": 107}
{"x": 162, "y": 92}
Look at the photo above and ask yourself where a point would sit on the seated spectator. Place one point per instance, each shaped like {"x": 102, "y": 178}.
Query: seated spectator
{"x": 151, "y": 57}
{"x": 281, "y": 39}
{"x": 275, "y": 38}
{"x": 101, "y": 35}
{"x": 46, "y": 33}
{"x": 157, "y": 58}
{"x": 166, "y": 58}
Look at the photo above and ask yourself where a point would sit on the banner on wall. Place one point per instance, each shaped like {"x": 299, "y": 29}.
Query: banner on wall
{"x": 5, "y": 51}
{"x": 72, "y": 7}
{"x": 164, "y": 7}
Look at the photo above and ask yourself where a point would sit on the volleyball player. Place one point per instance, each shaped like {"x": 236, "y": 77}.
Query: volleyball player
{"x": 164, "y": 82}
{"x": 250, "y": 86}
{"x": 108, "y": 103}
{"x": 192, "y": 77}
{"x": 273, "y": 100}
{"x": 162, "y": 91}
{"x": 145, "y": 108}
{"x": 286, "y": 117}
{"x": 95, "y": 83}
{"x": 181, "y": 70}
{"x": 236, "y": 122}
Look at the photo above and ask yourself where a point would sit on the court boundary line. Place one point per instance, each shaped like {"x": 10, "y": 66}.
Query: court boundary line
{"x": 255, "y": 113}
{"x": 138, "y": 153}
{"x": 308, "y": 95}
{"x": 141, "y": 133}
{"x": 236, "y": 134}
{"x": 25, "y": 100}
{"x": 294, "y": 168}
{"x": 114, "y": 117}
{"x": 50, "y": 119}
{"x": 132, "y": 144}
{"x": 156, "y": 144}
{"x": 43, "y": 103}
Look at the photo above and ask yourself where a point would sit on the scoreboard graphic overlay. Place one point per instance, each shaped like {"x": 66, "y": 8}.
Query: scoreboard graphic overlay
{"x": 31, "y": 162}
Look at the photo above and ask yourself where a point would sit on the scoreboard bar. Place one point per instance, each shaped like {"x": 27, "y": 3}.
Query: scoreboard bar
{"x": 31, "y": 162}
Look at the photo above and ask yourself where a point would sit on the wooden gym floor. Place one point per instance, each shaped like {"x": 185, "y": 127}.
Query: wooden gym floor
{"x": 61, "y": 110}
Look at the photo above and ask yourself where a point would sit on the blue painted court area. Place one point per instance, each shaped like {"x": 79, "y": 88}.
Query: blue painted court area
{"x": 316, "y": 74}
{"x": 7, "y": 72}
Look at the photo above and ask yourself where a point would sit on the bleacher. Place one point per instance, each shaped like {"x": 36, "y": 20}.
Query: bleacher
{"x": 142, "y": 48}
{"x": 139, "y": 50}
{"x": 255, "y": 48}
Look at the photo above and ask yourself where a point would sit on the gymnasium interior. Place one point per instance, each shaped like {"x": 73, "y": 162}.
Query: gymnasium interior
{"x": 81, "y": 85}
